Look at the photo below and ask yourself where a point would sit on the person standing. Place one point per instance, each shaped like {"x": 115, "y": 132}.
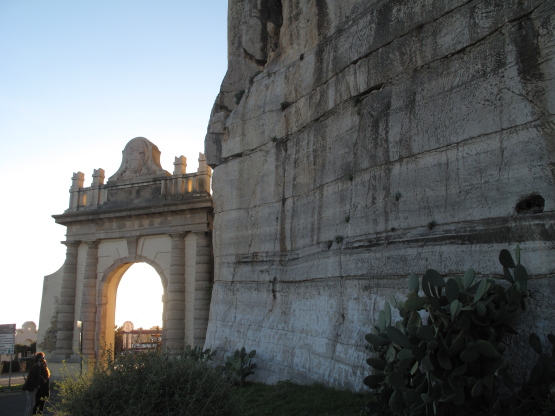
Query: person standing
{"x": 32, "y": 385}
{"x": 43, "y": 390}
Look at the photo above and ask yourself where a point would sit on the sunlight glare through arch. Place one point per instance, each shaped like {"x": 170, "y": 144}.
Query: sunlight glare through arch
{"x": 139, "y": 297}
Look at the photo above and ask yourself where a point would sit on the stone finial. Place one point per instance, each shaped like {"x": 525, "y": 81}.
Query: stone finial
{"x": 77, "y": 181}
{"x": 180, "y": 165}
{"x": 202, "y": 166}
{"x": 204, "y": 174}
{"x": 141, "y": 158}
{"x": 98, "y": 177}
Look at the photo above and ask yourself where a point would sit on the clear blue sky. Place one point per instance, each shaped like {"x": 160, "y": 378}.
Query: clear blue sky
{"x": 78, "y": 80}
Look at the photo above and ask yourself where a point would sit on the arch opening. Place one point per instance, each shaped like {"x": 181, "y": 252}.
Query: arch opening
{"x": 135, "y": 293}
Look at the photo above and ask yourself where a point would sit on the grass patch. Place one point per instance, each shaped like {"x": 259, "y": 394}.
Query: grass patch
{"x": 159, "y": 384}
{"x": 287, "y": 398}
{"x": 14, "y": 387}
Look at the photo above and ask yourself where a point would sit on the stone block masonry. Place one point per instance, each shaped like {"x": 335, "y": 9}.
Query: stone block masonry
{"x": 356, "y": 142}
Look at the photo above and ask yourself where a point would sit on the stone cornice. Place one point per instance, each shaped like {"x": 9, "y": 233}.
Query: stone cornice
{"x": 169, "y": 207}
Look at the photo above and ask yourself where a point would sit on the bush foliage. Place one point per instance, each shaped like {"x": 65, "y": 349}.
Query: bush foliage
{"x": 153, "y": 383}
{"x": 6, "y": 366}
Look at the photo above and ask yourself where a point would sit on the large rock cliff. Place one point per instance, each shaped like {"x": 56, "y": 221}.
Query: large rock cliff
{"x": 357, "y": 141}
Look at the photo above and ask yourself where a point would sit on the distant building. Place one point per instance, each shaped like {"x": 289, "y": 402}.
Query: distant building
{"x": 25, "y": 335}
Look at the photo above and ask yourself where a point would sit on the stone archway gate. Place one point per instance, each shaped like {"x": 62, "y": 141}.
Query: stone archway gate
{"x": 142, "y": 214}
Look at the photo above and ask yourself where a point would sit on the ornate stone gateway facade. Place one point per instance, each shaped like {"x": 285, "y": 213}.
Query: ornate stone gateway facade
{"x": 142, "y": 214}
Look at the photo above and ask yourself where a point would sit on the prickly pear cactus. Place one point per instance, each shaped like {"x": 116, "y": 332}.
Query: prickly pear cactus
{"x": 444, "y": 356}
{"x": 240, "y": 365}
{"x": 198, "y": 354}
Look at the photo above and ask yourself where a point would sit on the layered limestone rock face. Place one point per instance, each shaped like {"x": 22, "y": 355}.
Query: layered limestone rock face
{"x": 359, "y": 141}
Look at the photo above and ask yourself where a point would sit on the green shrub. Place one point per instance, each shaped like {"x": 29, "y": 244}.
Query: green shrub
{"x": 444, "y": 356}
{"x": 25, "y": 349}
{"x": 6, "y": 366}
{"x": 153, "y": 383}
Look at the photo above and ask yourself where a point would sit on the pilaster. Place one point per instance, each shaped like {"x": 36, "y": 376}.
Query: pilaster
{"x": 88, "y": 301}
{"x": 66, "y": 309}
{"x": 203, "y": 286}
{"x": 175, "y": 313}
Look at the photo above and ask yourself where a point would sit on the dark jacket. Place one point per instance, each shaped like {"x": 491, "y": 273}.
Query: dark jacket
{"x": 34, "y": 378}
{"x": 44, "y": 382}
